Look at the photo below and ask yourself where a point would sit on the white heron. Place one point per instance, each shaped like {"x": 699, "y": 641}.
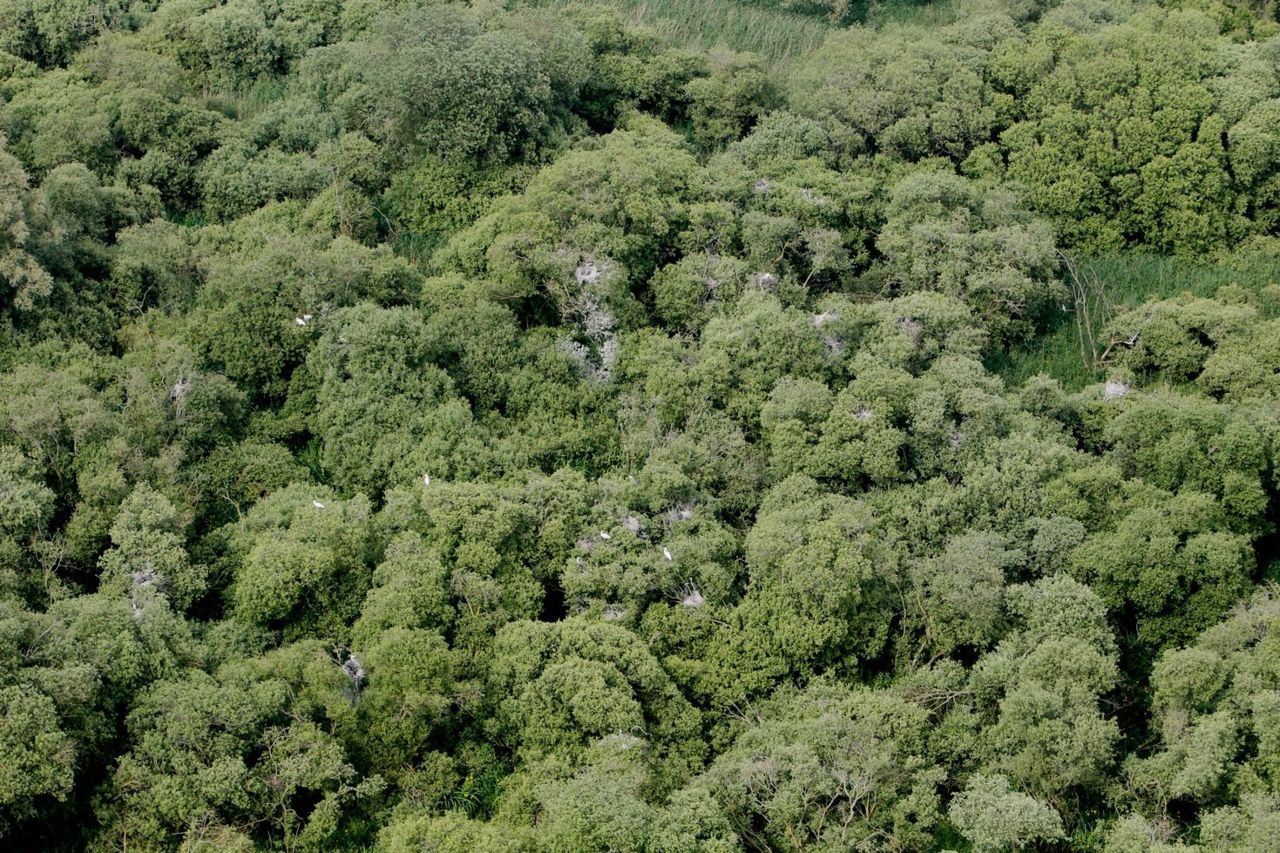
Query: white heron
{"x": 317, "y": 504}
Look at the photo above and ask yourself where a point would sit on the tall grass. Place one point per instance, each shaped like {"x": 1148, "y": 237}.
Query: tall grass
{"x": 926, "y": 14}
{"x": 1129, "y": 281}
{"x": 776, "y": 35}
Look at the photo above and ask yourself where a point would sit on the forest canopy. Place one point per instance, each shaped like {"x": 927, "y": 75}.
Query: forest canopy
{"x": 697, "y": 425}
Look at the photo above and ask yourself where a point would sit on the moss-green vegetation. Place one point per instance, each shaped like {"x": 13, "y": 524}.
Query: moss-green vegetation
{"x": 673, "y": 426}
{"x": 780, "y": 36}
{"x": 1127, "y": 281}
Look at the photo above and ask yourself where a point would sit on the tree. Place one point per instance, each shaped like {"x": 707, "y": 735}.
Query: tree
{"x": 779, "y": 195}
{"x": 1213, "y": 708}
{"x": 602, "y": 805}
{"x": 743, "y": 353}
{"x": 559, "y": 686}
{"x": 25, "y": 280}
{"x": 1041, "y": 688}
{"x": 460, "y": 85}
{"x": 1175, "y": 338}
{"x": 59, "y": 118}
{"x": 301, "y": 560}
{"x": 156, "y": 264}
{"x": 959, "y": 595}
{"x": 236, "y": 179}
{"x": 929, "y": 96}
{"x": 820, "y": 594}
{"x": 232, "y": 43}
{"x": 519, "y": 426}
{"x": 454, "y": 832}
{"x": 50, "y": 32}
{"x": 28, "y": 504}
{"x": 408, "y": 696}
{"x": 266, "y": 278}
{"x": 440, "y": 196}
{"x": 945, "y": 233}
{"x": 1121, "y": 142}
{"x": 488, "y": 563}
{"x": 727, "y": 102}
{"x": 240, "y": 753}
{"x": 829, "y": 766}
{"x": 994, "y": 817}
{"x": 39, "y": 759}
{"x": 410, "y": 590}
{"x": 596, "y": 219}
{"x": 1166, "y": 562}
{"x": 149, "y": 551}
{"x": 384, "y": 412}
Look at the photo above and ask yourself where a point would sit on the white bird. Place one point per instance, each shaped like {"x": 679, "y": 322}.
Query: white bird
{"x": 299, "y": 321}
{"x": 666, "y": 552}
{"x": 317, "y": 504}
{"x": 306, "y": 316}
{"x": 426, "y": 479}
{"x": 605, "y": 536}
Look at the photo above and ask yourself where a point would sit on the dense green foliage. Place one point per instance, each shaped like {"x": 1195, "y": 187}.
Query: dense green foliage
{"x": 506, "y": 426}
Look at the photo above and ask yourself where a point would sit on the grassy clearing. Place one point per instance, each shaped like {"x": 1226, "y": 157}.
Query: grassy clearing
{"x": 701, "y": 25}
{"x": 1129, "y": 280}
{"x": 778, "y": 35}
{"x": 926, "y": 14}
